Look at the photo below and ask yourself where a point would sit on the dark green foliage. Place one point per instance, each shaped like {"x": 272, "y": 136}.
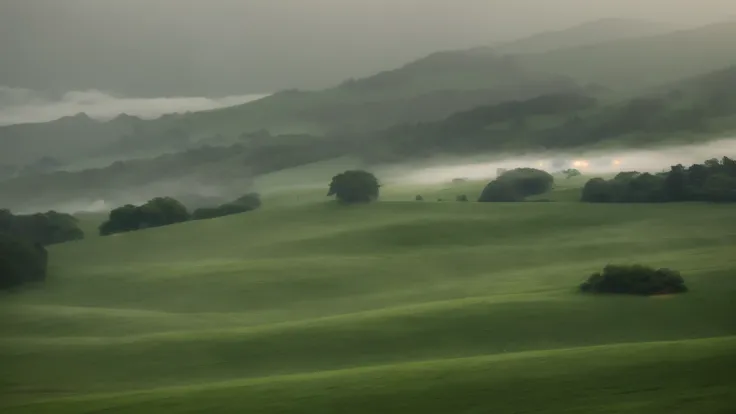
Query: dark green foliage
{"x": 43, "y": 228}
{"x": 21, "y": 261}
{"x": 243, "y": 204}
{"x": 160, "y": 211}
{"x": 250, "y": 200}
{"x": 713, "y": 180}
{"x": 419, "y": 197}
{"x": 354, "y": 186}
{"x": 516, "y": 185}
{"x": 634, "y": 280}
{"x": 571, "y": 172}
{"x": 498, "y": 191}
{"x": 461, "y": 197}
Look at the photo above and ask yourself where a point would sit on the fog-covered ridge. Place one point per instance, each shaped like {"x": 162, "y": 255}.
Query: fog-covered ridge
{"x": 19, "y": 105}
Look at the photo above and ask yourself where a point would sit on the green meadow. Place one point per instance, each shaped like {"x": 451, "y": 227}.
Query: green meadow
{"x": 307, "y": 306}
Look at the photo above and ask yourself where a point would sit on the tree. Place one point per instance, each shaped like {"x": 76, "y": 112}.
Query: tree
{"x": 354, "y": 186}
{"x": 516, "y": 185}
{"x": 43, "y": 228}
{"x": 675, "y": 184}
{"x": 571, "y": 172}
{"x": 21, "y": 262}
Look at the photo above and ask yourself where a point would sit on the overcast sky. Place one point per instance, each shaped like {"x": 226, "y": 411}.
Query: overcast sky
{"x": 234, "y": 47}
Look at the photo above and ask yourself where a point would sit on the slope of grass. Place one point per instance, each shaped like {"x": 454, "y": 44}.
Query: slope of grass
{"x": 233, "y": 308}
{"x": 682, "y": 377}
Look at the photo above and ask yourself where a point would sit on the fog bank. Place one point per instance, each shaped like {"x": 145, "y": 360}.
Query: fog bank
{"x": 19, "y": 105}
{"x": 593, "y": 162}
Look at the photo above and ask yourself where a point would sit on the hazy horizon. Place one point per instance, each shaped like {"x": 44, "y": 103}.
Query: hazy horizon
{"x": 225, "y": 47}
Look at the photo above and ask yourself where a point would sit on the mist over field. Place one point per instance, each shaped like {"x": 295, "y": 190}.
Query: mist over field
{"x": 597, "y": 162}
{"x": 18, "y": 105}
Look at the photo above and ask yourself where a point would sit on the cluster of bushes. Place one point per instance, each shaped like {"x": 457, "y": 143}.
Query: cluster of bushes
{"x": 164, "y": 211}
{"x": 42, "y": 228}
{"x": 21, "y": 261}
{"x": 714, "y": 180}
{"x": 243, "y": 204}
{"x": 517, "y": 184}
{"x": 160, "y": 211}
{"x": 634, "y": 280}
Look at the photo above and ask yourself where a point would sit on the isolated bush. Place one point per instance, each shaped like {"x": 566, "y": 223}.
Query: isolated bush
{"x": 21, "y": 262}
{"x": 634, "y": 280}
{"x": 160, "y": 211}
{"x": 419, "y": 197}
{"x": 354, "y": 186}
{"x": 461, "y": 197}
{"x": 43, "y": 228}
{"x": 516, "y": 185}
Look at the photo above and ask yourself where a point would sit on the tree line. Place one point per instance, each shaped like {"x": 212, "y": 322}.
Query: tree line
{"x": 714, "y": 181}
{"x": 164, "y": 211}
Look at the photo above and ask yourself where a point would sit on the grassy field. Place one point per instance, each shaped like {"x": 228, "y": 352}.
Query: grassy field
{"x": 395, "y": 307}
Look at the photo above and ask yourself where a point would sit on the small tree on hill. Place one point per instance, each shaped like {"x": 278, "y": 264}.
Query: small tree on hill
{"x": 354, "y": 186}
{"x": 516, "y": 185}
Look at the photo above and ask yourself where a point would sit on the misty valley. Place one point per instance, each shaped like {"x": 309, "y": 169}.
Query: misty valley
{"x": 541, "y": 225}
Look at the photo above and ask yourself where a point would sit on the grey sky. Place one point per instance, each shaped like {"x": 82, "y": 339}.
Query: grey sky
{"x": 232, "y": 47}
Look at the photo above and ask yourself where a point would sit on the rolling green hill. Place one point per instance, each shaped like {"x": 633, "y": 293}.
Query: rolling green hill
{"x": 399, "y": 306}
{"x": 632, "y": 65}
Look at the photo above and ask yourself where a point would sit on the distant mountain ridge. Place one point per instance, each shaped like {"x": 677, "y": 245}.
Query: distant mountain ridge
{"x": 424, "y": 90}
{"x": 589, "y": 33}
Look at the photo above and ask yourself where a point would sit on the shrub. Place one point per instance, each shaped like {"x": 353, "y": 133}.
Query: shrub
{"x": 251, "y": 201}
{"x": 516, "y": 185}
{"x": 461, "y": 197}
{"x": 419, "y": 197}
{"x": 571, "y": 172}
{"x": 43, "y": 228}
{"x": 160, "y": 211}
{"x": 243, "y": 204}
{"x": 354, "y": 186}
{"x": 21, "y": 262}
{"x": 634, "y": 280}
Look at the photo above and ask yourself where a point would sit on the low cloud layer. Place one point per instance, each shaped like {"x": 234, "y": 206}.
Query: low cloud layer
{"x": 27, "y": 106}
{"x": 592, "y": 162}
